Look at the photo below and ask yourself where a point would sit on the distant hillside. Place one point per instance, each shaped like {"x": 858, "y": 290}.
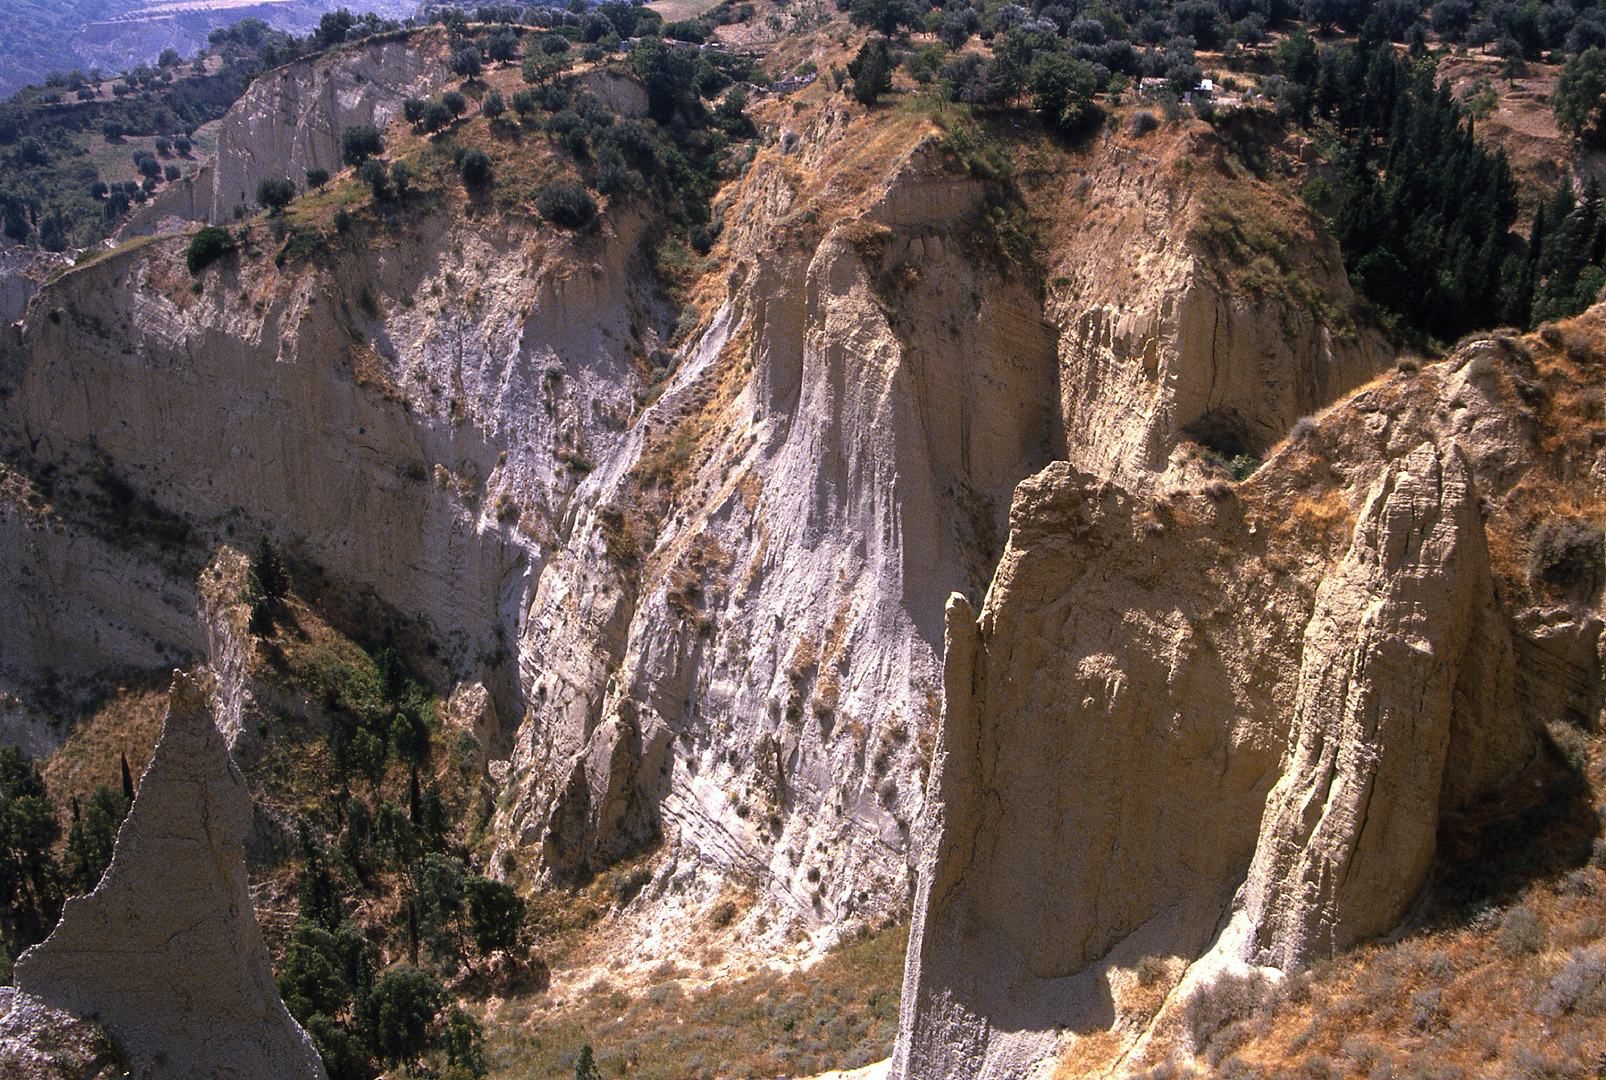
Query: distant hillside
{"x": 38, "y": 37}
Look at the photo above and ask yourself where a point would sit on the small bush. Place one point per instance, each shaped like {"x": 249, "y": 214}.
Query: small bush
{"x": 1229, "y": 999}
{"x": 1151, "y": 971}
{"x": 1569, "y": 744}
{"x": 207, "y": 247}
{"x": 466, "y": 62}
{"x": 665, "y": 993}
{"x": 568, "y": 206}
{"x": 627, "y": 884}
{"x": 359, "y": 142}
{"x": 1143, "y": 122}
{"x": 504, "y": 47}
{"x": 1242, "y": 466}
{"x": 1522, "y": 932}
{"x": 1569, "y": 554}
{"x": 477, "y": 171}
{"x": 377, "y": 177}
{"x": 1580, "y": 987}
{"x": 1316, "y": 192}
{"x": 275, "y": 193}
{"x": 435, "y": 116}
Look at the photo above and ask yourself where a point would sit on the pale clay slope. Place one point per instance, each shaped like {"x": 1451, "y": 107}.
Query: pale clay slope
{"x": 775, "y": 723}
{"x": 1231, "y": 754}
{"x": 166, "y": 953}
{"x": 292, "y": 119}
{"x": 868, "y": 495}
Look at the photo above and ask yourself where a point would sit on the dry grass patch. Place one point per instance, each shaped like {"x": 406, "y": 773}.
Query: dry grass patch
{"x": 840, "y": 1013}
{"x": 127, "y": 721}
{"x": 1504, "y": 976}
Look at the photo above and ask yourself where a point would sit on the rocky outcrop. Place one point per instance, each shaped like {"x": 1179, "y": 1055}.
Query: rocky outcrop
{"x": 41, "y": 1043}
{"x": 754, "y": 659}
{"x": 1348, "y": 833}
{"x": 166, "y": 953}
{"x": 1172, "y": 323}
{"x": 1218, "y": 731}
{"x": 22, "y": 270}
{"x": 1110, "y": 733}
{"x": 75, "y": 602}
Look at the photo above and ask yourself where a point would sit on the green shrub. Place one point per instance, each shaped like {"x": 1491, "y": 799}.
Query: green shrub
{"x": 267, "y": 575}
{"x": 359, "y": 142}
{"x": 871, "y": 71}
{"x": 566, "y": 205}
{"x": 466, "y": 62}
{"x": 402, "y": 1011}
{"x": 377, "y": 177}
{"x": 476, "y": 170}
{"x": 92, "y": 838}
{"x": 1568, "y": 553}
{"x": 207, "y": 247}
{"x": 435, "y": 116}
{"x": 496, "y": 914}
{"x": 1063, "y": 90}
{"x": 465, "y": 1045}
{"x": 275, "y": 193}
{"x": 1316, "y": 192}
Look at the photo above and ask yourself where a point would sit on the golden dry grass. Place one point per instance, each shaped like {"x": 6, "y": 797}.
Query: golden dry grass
{"x": 841, "y": 1012}
{"x": 127, "y": 721}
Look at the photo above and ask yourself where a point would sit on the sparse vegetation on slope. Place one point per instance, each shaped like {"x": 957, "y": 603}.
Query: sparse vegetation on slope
{"x": 1502, "y": 978}
{"x": 840, "y": 1013}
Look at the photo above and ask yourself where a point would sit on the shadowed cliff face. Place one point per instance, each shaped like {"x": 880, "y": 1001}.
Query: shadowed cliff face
{"x": 713, "y": 615}
{"x": 1220, "y": 729}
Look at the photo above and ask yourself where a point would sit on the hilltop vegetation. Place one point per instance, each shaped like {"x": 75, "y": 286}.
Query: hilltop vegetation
{"x": 78, "y": 152}
{"x": 38, "y": 37}
{"x": 1436, "y": 246}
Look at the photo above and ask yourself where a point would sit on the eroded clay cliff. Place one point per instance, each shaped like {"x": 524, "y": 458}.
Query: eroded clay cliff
{"x": 705, "y": 606}
{"x": 1213, "y": 735}
{"x": 165, "y": 953}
